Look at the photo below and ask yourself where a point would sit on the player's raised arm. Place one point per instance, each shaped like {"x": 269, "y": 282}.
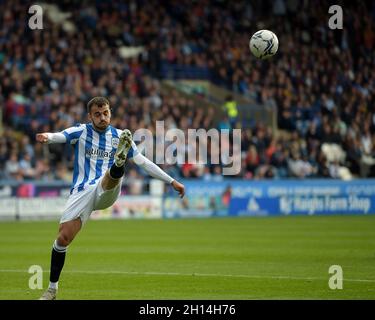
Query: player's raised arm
{"x": 48, "y": 137}
{"x": 69, "y": 135}
{"x": 155, "y": 171}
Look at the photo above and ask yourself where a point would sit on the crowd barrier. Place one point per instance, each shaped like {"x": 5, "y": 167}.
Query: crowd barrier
{"x": 203, "y": 199}
{"x": 273, "y": 197}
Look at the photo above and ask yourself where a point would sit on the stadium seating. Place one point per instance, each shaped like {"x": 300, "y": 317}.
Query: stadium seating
{"x": 321, "y": 81}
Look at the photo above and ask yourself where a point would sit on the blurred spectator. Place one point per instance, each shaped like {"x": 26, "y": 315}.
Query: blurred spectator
{"x": 12, "y": 167}
{"x": 252, "y": 159}
{"x": 62, "y": 173}
{"x": 300, "y": 167}
{"x": 230, "y": 107}
{"x": 26, "y": 168}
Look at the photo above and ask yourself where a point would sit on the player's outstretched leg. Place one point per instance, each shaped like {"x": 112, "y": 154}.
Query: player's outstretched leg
{"x": 67, "y": 231}
{"x": 117, "y": 170}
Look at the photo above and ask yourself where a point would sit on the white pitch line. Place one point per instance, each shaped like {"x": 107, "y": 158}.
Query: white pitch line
{"x": 194, "y": 274}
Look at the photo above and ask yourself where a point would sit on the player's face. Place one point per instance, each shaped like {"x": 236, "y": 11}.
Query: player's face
{"x": 100, "y": 116}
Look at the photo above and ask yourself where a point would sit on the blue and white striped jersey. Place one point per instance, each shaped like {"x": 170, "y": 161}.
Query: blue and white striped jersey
{"x": 94, "y": 153}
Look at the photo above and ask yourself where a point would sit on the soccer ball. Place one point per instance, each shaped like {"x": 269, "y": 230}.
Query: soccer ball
{"x": 263, "y": 44}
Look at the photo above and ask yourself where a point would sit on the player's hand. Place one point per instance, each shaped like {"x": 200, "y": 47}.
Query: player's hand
{"x": 179, "y": 187}
{"x": 42, "y": 137}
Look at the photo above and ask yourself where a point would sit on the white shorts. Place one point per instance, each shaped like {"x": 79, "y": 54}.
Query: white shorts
{"x": 93, "y": 197}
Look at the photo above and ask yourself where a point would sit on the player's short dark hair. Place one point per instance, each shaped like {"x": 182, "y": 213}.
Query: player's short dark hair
{"x": 99, "y": 101}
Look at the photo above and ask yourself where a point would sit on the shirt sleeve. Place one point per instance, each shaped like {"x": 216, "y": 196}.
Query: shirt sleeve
{"x": 57, "y": 137}
{"x": 72, "y": 134}
{"x": 151, "y": 168}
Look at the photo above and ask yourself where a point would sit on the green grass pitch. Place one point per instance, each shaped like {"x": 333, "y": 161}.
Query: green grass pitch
{"x": 217, "y": 258}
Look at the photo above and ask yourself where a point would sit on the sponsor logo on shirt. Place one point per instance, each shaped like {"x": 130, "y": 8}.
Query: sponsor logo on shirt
{"x": 96, "y": 153}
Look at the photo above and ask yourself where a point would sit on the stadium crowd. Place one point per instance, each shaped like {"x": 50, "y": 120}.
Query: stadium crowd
{"x": 322, "y": 81}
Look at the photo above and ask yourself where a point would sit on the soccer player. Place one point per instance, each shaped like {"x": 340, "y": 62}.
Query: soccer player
{"x": 100, "y": 153}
